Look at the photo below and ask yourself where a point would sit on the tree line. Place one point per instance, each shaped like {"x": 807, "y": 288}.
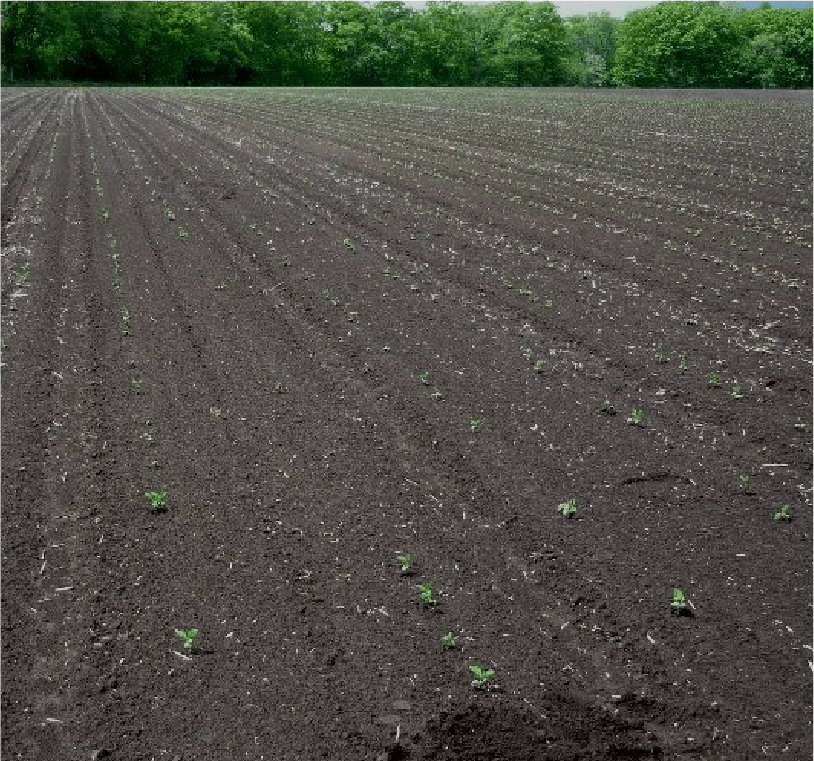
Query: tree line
{"x": 672, "y": 44}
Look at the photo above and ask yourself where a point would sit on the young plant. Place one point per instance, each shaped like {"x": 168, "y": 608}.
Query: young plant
{"x": 482, "y": 676}
{"x": 437, "y": 394}
{"x": 714, "y": 379}
{"x": 800, "y": 425}
{"x": 568, "y": 509}
{"x": 424, "y": 377}
{"x": 426, "y": 592}
{"x": 737, "y": 391}
{"x": 680, "y": 604}
{"x": 783, "y": 514}
{"x": 475, "y": 423}
{"x": 539, "y": 366}
{"x": 660, "y": 355}
{"x": 22, "y": 274}
{"x": 407, "y": 561}
{"x": 188, "y": 637}
{"x": 182, "y": 232}
{"x": 125, "y": 315}
{"x": 636, "y": 416}
{"x": 350, "y": 243}
{"x": 683, "y": 365}
{"x": 157, "y": 500}
{"x": 448, "y": 640}
{"x": 745, "y": 483}
{"x": 607, "y": 407}
{"x": 137, "y": 383}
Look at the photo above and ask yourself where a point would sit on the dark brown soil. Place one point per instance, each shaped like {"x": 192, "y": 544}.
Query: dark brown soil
{"x": 338, "y": 326}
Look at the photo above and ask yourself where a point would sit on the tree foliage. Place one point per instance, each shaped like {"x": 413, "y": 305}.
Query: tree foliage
{"x": 673, "y": 44}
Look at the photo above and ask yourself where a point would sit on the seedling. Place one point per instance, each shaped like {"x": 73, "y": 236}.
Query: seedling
{"x": 437, "y": 394}
{"x": 475, "y": 423}
{"x": 783, "y": 514}
{"x": 350, "y": 243}
{"x": 426, "y": 591}
{"x": 169, "y": 214}
{"x": 424, "y": 377}
{"x": 125, "y": 314}
{"x": 714, "y": 379}
{"x": 448, "y": 640}
{"x": 607, "y": 407}
{"x": 407, "y": 561}
{"x": 22, "y": 274}
{"x": 636, "y": 416}
{"x": 539, "y": 366}
{"x": 660, "y": 355}
{"x": 278, "y": 388}
{"x": 157, "y": 500}
{"x": 137, "y": 383}
{"x": 737, "y": 391}
{"x": 680, "y": 603}
{"x": 526, "y": 352}
{"x": 182, "y": 232}
{"x": 188, "y": 637}
{"x": 745, "y": 483}
{"x": 568, "y": 509}
{"x": 683, "y": 365}
{"x": 800, "y": 425}
{"x": 482, "y": 676}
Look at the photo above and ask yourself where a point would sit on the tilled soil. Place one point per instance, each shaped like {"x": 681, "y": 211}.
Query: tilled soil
{"x": 340, "y": 326}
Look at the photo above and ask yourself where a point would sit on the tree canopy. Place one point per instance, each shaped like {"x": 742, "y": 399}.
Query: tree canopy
{"x": 672, "y": 44}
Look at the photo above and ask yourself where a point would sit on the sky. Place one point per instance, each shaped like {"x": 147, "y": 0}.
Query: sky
{"x": 619, "y": 8}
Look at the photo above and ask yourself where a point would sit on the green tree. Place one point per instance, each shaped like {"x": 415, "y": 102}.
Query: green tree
{"x": 591, "y": 46}
{"x": 775, "y": 47}
{"x": 676, "y": 44}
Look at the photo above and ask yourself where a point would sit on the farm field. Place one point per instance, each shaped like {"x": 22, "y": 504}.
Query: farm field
{"x": 370, "y": 387}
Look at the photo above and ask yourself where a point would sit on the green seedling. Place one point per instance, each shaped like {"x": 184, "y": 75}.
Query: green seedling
{"x": 745, "y": 483}
{"x": 783, "y": 514}
{"x": 137, "y": 383}
{"x": 278, "y": 388}
{"x": 448, "y": 640}
{"x": 714, "y": 379}
{"x": 182, "y": 232}
{"x": 188, "y": 637}
{"x": 660, "y": 355}
{"x": 539, "y": 366}
{"x": 125, "y": 315}
{"x": 157, "y": 500}
{"x": 424, "y": 377}
{"x": 568, "y": 509}
{"x": 352, "y": 316}
{"x": 737, "y": 391}
{"x": 22, "y": 274}
{"x": 475, "y": 423}
{"x": 147, "y": 434}
{"x": 350, "y": 243}
{"x": 800, "y": 425}
{"x": 636, "y": 416}
{"x": 407, "y": 561}
{"x": 607, "y": 407}
{"x": 437, "y": 394}
{"x": 680, "y": 603}
{"x": 526, "y": 352}
{"x": 426, "y": 592}
{"x": 169, "y": 214}
{"x": 683, "y": 365}
{"x": 482, "y": 676}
